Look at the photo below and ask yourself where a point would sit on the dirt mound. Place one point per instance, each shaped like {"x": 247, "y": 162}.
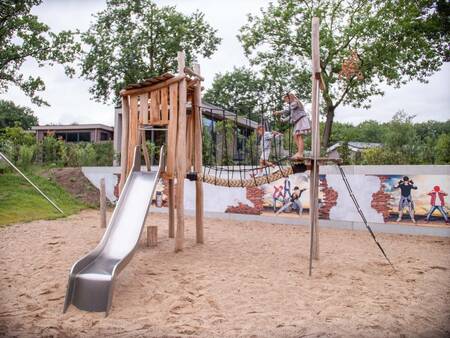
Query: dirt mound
{"x": 74, "y": 182}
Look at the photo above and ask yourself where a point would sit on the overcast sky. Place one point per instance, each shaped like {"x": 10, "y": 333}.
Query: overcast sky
{"x": 71, "y": 102}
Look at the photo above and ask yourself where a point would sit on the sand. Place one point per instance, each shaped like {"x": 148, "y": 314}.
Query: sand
{"x": 250, "y": 279}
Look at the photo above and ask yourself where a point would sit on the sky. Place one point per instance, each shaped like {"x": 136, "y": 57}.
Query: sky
{"x": 71, "y": 102}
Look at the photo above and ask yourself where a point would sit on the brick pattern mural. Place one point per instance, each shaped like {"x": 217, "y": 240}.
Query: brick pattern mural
{"x": 381, "y": 200}
{"x": 329, "y": 198}
{"x": 255, "y": 195}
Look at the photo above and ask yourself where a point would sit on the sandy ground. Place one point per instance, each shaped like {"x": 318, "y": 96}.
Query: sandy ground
{"x": 249, "y": 279}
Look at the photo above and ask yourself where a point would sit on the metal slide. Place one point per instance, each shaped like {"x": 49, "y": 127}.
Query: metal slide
{"x": 92, "y": 278}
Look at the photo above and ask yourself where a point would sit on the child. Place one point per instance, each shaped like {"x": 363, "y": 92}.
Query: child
{"x": 266, "y": 144}
{"x": 437, "y": 202}
{"x": 295, "y": 114}
{"x": 406, "y": 201}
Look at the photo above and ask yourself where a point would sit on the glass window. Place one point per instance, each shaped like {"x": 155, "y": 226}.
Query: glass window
{"x": 103, "y": 136}
{"x": 72, "y": 137}
{"x": 84, "y": 137}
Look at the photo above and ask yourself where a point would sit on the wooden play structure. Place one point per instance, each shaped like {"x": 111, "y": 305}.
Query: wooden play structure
{"x": 173, "y": 102}
{"x": 163, "y": 102}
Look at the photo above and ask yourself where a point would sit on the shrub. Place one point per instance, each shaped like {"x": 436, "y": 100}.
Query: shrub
{"x": 26, "y": 156}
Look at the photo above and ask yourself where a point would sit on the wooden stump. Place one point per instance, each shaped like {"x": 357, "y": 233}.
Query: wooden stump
{"x": 102, "y": 203}
{"x": 152, "y": 236}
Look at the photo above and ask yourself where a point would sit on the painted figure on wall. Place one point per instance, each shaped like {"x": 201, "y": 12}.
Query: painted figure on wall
{"x": 405, "y": 185}
{"x": 293, "y": 202}
{"x": 437, "y": 202}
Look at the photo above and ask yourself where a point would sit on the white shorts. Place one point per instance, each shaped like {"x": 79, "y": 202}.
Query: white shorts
{"x": 265, "y": 155}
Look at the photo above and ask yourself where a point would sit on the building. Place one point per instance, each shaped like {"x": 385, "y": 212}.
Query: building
{"x": 355, "y": 148}
{"x": 75, "y": 132}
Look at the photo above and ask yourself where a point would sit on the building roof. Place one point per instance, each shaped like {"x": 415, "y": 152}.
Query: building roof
{"x": 151, "y": 81}
{"x": 219, "y": 113}
{"x": 355, "y": 146}
{"x": 73, "y": 127}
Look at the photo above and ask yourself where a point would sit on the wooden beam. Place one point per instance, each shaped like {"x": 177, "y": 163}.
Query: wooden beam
{"x": 171, "y": 209}
{"x": 198, "y": 158}
{"x": 124, "y": 145}
{"x": 172, "y": 131}
{"x": 191, "y": 72}
{"x": 143, "y": 107}
{"x": 152, "y": 236}
{"x": 144, "y": 148}
{"x": 315, "y": 144}
{"x": 133, "y": 136}
{"x": 181, "y": 157}
{"x": 151, "y": 88}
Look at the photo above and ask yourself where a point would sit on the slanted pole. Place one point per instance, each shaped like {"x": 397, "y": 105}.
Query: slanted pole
{"x": 181, "y": 154}
{"x": 198, "y": 157}
{"x": 315, "y": 145}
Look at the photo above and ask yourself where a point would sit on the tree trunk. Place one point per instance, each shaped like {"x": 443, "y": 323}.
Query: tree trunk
{"x": 328, "y": 126}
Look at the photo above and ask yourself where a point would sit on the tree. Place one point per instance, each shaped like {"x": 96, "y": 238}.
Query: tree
{"x": 134, "y": 40}
{"x": 394, "y": 41}
{"x": 22, "y": 37}
{"x": 443, "y": 149}
{"x": 237, "y": 91}
{"x": 13, "y": 116}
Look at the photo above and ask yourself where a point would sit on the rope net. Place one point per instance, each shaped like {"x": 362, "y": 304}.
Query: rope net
{"x": 236, "y": 155}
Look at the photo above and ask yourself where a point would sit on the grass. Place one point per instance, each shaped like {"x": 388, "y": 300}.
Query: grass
{"x": 20, "y": 202}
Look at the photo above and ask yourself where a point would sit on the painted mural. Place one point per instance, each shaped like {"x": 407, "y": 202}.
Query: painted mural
{"x": 424, "y": 201}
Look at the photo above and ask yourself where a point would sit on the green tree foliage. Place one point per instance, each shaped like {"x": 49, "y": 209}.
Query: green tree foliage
{"x": 134, "y": 40}
{"x": 237, "y": 91}
{"x": 443, "y": 149}
{"x": 12, "y": 115}
{"x": 23, "y": 36}
{"x": 396, "y": 41}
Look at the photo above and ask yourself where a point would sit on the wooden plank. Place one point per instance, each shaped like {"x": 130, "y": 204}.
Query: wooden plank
{"x": 124, "y": 145}
{"x": 181, "y": 158}
{"x": 132, "y": 131}
{"x": 145, "y": 151}
{"x": 154, "y": 107}
{"x": 102, "y": 203}
{"x": 144, "y": 108}
{"x": 165, "y": 105}
{"x": 151, "y": 88}
{"x": 189, "y": 144}
{"x": 198, "y": 158}
{"x": 171, "y": 208}
{"x": 172, "y": 132}
{"x": 152, "y": 236}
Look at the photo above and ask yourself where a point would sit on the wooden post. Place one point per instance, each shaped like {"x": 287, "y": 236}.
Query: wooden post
{"x": 171, "y": 209}
{"x": 152, "y": 236}
{"x": 124, "y": 145}
{"x": 315, "y": 144}
{"x": 145, "y": 151}
{"x": 102, "y": 203}
{"x": 198, "y": 158}
{"x": 181, "y": 155}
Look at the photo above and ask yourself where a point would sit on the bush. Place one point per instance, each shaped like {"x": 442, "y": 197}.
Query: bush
{"x": 26, "y": 156}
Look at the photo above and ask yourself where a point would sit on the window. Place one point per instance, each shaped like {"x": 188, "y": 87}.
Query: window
{"x": 103, "y": 136}
{"x": 72, "y": 137}
{"x": 84, "y": 137}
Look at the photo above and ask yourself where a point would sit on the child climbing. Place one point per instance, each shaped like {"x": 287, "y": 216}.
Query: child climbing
{"x": 437, "y": 203}
{"x": 296, "y": 115}
{"x": 406, "y": 201}
{"x": 266, "y": 145}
